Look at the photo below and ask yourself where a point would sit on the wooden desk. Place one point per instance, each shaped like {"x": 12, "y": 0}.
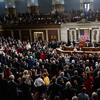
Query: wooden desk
{"x": 80, "y": 52}
{"x": 65, "y": 48}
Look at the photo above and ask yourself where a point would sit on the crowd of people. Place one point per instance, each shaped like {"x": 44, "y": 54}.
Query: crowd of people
{"x": 35, "y": 71}
{"x": 28, "y": 18}
{"x": 55, "y": 18}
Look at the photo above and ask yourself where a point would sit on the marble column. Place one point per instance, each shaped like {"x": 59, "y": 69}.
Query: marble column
{"x": 46, "y": 35}
{"x": 90, "y": 31}
{"x": 30, "y": 33}
{"x": 58, "y": 35}
{"x": 68, "y": 36}
{"x": 77, "y": 34}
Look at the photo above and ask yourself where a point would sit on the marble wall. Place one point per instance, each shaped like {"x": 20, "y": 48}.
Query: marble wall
{"x": 75, "y": 31}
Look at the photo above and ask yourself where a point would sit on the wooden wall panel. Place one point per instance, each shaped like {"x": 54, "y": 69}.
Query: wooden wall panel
{"x": 16, "y": 34}
{"x": 52, "y": 35}
{"x": 25, "y": 35}
{"x": 6, "y": 33}
{"x": 43, "y": 31}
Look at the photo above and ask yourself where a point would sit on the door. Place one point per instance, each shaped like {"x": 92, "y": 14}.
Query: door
{"x": 38, "y": 36}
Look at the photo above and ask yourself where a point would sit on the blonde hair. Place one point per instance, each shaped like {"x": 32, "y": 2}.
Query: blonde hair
{"x": 74, "y": 98}
{"x": 94, "y": 96}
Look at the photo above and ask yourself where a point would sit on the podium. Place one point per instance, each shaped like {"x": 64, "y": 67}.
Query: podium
{"x": 81, "y": 44}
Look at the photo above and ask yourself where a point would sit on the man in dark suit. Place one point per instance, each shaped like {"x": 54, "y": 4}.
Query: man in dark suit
{"x": 12, "y": 88}
{"x": 3, "y": 88}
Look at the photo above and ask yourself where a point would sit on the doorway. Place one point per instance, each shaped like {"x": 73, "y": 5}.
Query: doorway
{"x": 38, "y": 36}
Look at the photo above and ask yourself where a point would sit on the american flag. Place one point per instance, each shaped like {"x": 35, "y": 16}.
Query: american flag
{"x": 81, "y": 32}
{"x": 84, "y": 36}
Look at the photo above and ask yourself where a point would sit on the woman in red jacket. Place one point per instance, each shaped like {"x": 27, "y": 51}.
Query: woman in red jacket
{"x": 42, "y": 55}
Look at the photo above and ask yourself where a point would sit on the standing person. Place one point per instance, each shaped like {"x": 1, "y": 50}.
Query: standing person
{"x": 3, "y": 88}
{"x": 39, "y": 86}
{"x": 97, "y": 81}
{"x": 82, "y": 95}
{"x": 94, "y": 96}
{"x": 74, "y": 98}
{"x": 89, "y": 83}
{"x": 46, "y": 79}
{"x": 54, "y": 89}
{"x": 61, "y": 79}
{"x": 26, "y": 89}
{"x": 68, "y": 89}
{"x": 12, "y": 88}
{"x": 42, "y": 56}
{"x": 76, "y": 81}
